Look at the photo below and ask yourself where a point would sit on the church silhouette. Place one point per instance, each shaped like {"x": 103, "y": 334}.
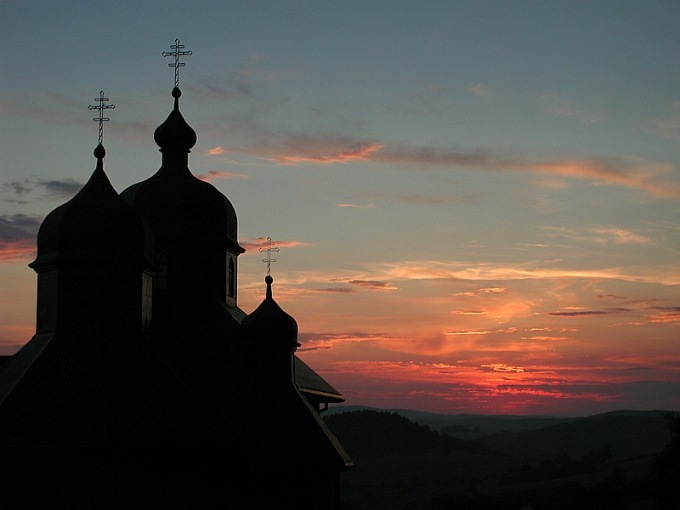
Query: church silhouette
{"x": 145, "y": 385}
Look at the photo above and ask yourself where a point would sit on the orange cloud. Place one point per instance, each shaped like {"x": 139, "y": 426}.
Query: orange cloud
{"x": 652, "y": 178}
{"x": 485, "y": 271}
{"x": 549, "y": 338}
{"x": 493, "y": 290}
{"x": 466, "y": 332}
{"x": 358, "y": 152}
{"x": 502, "y": 367}
{"x": 671, "y": 317}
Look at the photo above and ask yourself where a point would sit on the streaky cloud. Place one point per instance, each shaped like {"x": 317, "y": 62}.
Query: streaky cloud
{"x": 356, "y": 206}
{"x": 580, "y": 313}
{"x": 64, "y": 188}
{"x": 254, "y": 245}
{"x": 19, "y": 227}
{"x": 653, "y": 178}
{"x": 486, "y": 271}
{"x": 336, "y": 290}
{"x": 214, "y": 175}
{"x": 54, "y": 188}
{"x": 357, "y": 152}
{"x": 18, "y": 234}
{"x": 376, "y": 285}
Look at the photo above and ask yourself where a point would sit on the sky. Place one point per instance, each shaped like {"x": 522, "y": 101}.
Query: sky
{"x": 476, "y": 204}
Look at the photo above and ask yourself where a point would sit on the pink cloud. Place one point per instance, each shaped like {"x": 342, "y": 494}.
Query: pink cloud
{"x": 655, "y": 179}
{"x": 481, "y": 90}
{"x": 355, "y": 206}
{"x": 254, "y": 245}
{"x": 214, "y": 175}
{"x": 11, "y": 251}
{"x": 216, "y": 151}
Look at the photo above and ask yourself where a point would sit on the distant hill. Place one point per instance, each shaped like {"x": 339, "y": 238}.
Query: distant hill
{"x": 413, "y": 460}
{"x": 626, "y": 433}
{"x": 386, "y": 432}
{"x": 464, "y": 426}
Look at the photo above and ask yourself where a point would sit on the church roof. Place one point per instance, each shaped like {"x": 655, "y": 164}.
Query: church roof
{"x": 96, "y": 391}
{"x": 313, "y": 386}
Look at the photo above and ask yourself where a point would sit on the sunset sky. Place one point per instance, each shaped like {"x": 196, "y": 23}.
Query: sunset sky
{"x": 477, "y": 204}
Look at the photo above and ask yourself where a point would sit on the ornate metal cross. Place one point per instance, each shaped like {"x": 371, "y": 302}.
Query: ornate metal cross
{"x": 101, "y": 107}
{"x": 177, "y": 47}
{"x": 269, "y": 247}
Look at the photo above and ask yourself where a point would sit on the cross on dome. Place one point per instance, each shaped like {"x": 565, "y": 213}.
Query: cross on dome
{"x": 269, "y": 247}
{"x": 177, "y": 52}
{"x": 101, "y": 106}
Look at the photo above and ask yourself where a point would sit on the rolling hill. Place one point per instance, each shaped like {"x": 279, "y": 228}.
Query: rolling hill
{"x": 412, "y": 460}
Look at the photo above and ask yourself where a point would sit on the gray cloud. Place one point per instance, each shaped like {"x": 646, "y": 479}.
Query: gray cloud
{"x": 18, "y": 228}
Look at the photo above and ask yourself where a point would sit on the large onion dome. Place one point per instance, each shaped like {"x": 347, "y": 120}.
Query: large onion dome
{"x": 182, "y": 209}
{"x": 95, "y": 225}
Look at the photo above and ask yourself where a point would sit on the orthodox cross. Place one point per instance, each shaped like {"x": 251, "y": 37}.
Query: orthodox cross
{"x": 177, "y": 47}
{"x": 269, "y": 247}
{"x": 101, "y": 107}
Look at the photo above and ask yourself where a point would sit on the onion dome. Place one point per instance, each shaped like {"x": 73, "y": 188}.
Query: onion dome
{"x": 181, "y": 208}
{"x": 269, "y": 326}
{"x": 175, "y": 134}
{"x": 95, "y": 225}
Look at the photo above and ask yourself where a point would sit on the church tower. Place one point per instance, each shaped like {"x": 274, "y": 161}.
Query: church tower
{"x": 94, "y": 261}
{"x": 194, "y": 225}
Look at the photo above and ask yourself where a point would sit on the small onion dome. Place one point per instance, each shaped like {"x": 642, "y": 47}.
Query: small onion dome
{"x": 175, "y": 134}
{"x": 95, "y": 225}
{"x": 269, "y": 326}
{"x": 181, "y": 208}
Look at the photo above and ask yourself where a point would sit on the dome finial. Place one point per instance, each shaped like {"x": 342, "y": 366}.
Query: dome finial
{"x": 99, "y": 152}
{"x": 176, "y": 53}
